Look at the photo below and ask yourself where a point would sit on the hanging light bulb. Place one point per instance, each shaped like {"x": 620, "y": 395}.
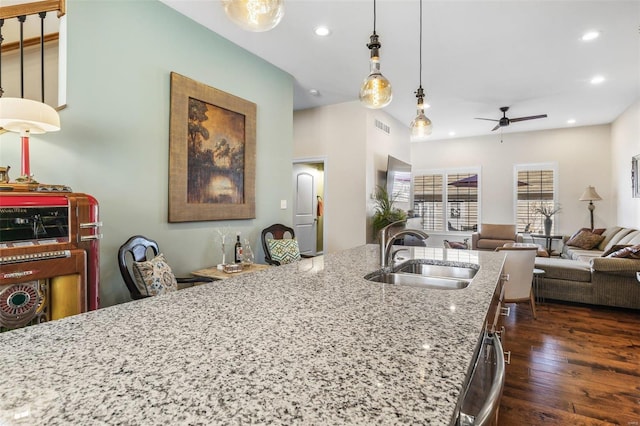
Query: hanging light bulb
{"x": 375, "y": 91}
{"x": 254, "y": 15}
{"x": 421, "y": 125}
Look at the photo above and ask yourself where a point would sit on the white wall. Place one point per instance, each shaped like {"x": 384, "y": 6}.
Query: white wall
{"x": 379, "y": 146}
{"x": 337, "y": 133}
{"x": 625, "y": 141}
{"x": 582, "y": 154}
{"x": 114, "y": 142}
{"x": 356, "y": 152}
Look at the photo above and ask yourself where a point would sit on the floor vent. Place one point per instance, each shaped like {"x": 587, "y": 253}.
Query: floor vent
{"x": 384, "y": 127}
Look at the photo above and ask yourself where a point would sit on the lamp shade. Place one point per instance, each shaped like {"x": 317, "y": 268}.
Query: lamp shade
{"x": 590, "y": 194}
{"x": 255, "y": 15}
{"x": 25, "y": 115}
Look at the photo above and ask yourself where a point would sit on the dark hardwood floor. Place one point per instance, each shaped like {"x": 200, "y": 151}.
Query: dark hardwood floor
{"x": 574, "y": 365}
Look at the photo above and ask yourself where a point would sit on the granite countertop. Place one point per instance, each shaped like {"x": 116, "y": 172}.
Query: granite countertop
{"x": 305, "y": 343}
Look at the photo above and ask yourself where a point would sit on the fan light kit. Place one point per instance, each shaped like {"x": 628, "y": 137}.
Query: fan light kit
{"x": 505, "y": 121}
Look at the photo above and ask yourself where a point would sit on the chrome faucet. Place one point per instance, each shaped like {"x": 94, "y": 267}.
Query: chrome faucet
{"x": 386, "y": 241}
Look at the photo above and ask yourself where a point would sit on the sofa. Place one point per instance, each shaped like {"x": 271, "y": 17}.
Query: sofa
{"x": 604, "y": 274}
{"x": 492, "y": 236}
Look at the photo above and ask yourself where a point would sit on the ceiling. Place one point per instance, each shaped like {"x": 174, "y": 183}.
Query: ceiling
{"x": 477, "y": 57}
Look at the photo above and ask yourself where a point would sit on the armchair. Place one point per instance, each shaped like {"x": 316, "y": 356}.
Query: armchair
{"x": 492, "y": 236}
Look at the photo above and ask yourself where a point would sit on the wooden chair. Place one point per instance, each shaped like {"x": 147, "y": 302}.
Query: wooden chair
{"x": 140, "y": 249}
{"x": 276, "y": 231}
{"x": 518, "y": 267}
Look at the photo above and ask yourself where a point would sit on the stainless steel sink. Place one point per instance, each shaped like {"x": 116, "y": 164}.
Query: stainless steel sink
{"x": 442, "y": 271}
{"x": 422, "y": 273}
{"x": 416, "y": 280}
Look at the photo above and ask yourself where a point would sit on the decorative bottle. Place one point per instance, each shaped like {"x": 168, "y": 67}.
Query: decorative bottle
{"x": 238, "y": 250}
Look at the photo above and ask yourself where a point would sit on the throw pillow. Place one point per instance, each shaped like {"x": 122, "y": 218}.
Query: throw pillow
{"x": 631, "y": 252}
{"x": 615, "y": 248}
{"x": 585, "y": 240}
{"x": 154, "y": 276}
{"x": 598, "y": 231}
{"x": 284, "y": 251}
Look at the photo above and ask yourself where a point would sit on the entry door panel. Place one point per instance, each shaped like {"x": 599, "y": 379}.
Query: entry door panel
{"x": 304, "y": 216}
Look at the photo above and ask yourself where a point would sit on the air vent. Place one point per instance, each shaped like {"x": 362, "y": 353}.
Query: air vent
{"x": 384, "y": 127}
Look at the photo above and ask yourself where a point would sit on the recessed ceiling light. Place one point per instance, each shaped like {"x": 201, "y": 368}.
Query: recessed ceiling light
{"x": 452, "y": 133}
{"x": 590, "y": 35}
{"x": 571, "y": 121}
{"x": 314, "y": 92}
{"x": 322, "y": 31}
{"x": 597, "y": 79}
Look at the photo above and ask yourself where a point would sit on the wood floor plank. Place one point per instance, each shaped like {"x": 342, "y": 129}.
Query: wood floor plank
{"x": 573, "y": 365}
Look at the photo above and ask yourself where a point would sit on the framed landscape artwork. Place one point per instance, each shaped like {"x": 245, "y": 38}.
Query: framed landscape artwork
{"x": 212, "y": 150}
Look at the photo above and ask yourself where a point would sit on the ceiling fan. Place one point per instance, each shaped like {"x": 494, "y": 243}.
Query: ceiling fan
{"x": 505, "y": 121}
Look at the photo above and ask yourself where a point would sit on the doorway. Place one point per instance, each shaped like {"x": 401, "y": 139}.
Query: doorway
{"x": 309, "y": 205}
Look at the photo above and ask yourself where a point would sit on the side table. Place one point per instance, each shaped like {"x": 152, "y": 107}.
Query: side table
{"x": 215, "y": 273}
{"x": 549, "y": 239}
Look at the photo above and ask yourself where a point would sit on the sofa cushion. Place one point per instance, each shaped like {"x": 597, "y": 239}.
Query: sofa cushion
{"x": 564, "y": 269}
{"x": 631, "y": 252}
{"x": 586, "y": 240}
{"x": 615, "y": 238}
{"x": 631, "y": 239}
{"x": 608, "y": 234}
{"x": 614, "y": 248}
{"x": 598, "y": 231}
{"x": 498, "y": 232}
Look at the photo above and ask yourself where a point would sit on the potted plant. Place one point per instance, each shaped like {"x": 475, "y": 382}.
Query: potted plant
{"x": 385, "y": 212}
{"x": 547, "y": 211}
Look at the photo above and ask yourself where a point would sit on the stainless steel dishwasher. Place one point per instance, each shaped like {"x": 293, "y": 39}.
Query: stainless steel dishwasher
{"x": 483, "y": 391}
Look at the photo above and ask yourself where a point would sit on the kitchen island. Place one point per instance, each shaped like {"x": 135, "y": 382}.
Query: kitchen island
{"x": 306, "y": 343}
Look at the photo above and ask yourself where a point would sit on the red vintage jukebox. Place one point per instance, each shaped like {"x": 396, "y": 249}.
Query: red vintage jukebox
{"x": 49, "y": 254}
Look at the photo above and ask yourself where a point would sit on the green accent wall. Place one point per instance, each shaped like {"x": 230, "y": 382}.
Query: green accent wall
{"x": 114, "y": 141}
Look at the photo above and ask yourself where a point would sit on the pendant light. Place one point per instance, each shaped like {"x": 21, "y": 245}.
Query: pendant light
{"x": 254, "y": 15}
{"x": 375, "y": 91}
{"x": 421, "y": 125}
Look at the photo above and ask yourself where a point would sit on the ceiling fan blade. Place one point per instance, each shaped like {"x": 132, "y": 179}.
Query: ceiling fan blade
{"x": 531, "y": 117}
{"x": 496, "y": 128}
{"x": 490, "y": 119}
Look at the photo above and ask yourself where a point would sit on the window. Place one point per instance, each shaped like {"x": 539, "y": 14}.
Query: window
{"x": 535, "y": 188}
{"x": 447, "y": 201}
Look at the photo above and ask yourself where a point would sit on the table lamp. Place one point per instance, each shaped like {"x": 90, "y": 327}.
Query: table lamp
{"x": 26, "y": 116}
{"x": 590, "y": 195}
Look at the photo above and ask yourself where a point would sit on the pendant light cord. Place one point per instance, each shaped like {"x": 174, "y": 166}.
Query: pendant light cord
{"x": 420, "y": 77}
{"x": 374, "y": 16}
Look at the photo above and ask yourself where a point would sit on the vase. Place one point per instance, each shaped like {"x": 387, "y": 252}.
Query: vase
{"x": 547, "y": 226}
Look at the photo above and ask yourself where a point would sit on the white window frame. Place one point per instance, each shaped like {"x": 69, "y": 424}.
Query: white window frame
{"x": 553, "y": 166}
{"x": 445, "y": 194}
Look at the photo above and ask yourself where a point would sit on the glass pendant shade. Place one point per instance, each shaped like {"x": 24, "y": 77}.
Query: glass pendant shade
{"x": 375, "y": 91}
{"x": 421, "y": 126}
{"x": 255, "y": 15}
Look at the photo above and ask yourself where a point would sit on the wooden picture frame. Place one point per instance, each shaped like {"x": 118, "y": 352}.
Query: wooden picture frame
{"x": 212, "y": 153}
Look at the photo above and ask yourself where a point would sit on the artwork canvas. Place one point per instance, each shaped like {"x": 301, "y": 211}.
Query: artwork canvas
{"x": 212, "y": 154}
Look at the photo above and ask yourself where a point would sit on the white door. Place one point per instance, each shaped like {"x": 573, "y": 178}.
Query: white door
{"x": 304, "y": 209}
